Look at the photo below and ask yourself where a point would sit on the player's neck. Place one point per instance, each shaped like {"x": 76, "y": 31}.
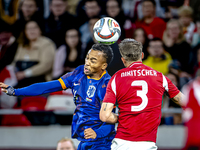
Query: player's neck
{"x": 129, "y": 63}
{"x": 98, "y": 75}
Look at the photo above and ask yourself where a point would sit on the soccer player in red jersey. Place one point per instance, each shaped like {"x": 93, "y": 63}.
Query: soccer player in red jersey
{"x": 191, "y": 114}
{"x": 137, "y": 90}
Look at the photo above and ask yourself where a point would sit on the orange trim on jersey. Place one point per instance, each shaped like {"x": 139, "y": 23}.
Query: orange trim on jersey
{"x": 62, "y": 83}
{"x": 97, "y": 78}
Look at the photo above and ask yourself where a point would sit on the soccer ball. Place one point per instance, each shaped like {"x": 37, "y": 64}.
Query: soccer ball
{"x": 106, "y": 30}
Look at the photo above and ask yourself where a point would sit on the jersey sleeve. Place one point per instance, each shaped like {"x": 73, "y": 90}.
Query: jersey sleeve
{"x": 110, "y": 96}
{"x": 170, "y": 88}
{"x": 66, "y": 80}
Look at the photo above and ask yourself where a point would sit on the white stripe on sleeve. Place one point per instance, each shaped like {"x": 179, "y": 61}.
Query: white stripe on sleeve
{"x": 165, "y": 83}
{"x": 113, "y": 85}
{"x": 196, "y": 88}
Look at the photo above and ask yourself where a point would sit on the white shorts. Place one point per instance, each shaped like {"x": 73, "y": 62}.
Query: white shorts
{"x": 119, "y": 144}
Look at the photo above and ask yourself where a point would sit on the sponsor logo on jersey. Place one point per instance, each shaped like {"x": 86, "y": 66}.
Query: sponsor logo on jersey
{"x": 91, "y": 90}
{"x": 88, "y": 99}
{"x": 104, "y": 85}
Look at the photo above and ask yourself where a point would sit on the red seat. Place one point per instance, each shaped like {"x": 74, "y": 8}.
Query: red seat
{"x": 33, "y": 103}
{"x": 15, "y": 120}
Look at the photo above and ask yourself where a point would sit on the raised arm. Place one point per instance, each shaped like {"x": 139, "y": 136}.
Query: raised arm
{"x": 32, "y": 90}
{"x": 106, "y": 114}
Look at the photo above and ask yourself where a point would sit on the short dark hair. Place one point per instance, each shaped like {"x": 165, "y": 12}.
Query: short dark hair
{"x": 130, "y": 49}
{"x": 106, "y": 49}
{"x": 152, "y": 1}
{"x": 62, "y": 0}
{"x": 98, "y": 2}
{"x": 156, "y": 39}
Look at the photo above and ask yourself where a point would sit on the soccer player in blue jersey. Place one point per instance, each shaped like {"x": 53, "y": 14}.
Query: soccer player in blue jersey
{"x": 88, "y": 83}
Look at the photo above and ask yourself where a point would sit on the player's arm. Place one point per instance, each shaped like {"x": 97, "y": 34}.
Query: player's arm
{"x": 103, "y": 131}
{"x": 178, "y": 99}
{"x": 106, "y": 114}
{"x": 32, "y": 90}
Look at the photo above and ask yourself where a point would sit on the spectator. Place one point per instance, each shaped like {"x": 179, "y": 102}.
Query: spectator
{"x": 171, "y": 8}
{"x": 65, "y": 144}
{"x": 114, "y": 10}
{"x": 28, "y": 11}
{"x": 9, "y": 10}
{"x": 195, "y": 7}
{"x": 34, "y": 58}
{"x": 89, "y": 8}
{"x": 153, "y": 26}
{"x": 8, "y": 45}
{"x": 92, "y": 9}
{"x": 158, "y": 58}
{"x": 88, "y": 38}
{"x": 178, "y": 48}
{"x": 59, "y": 21}
{"x": 185, "y": 16}
{"x": 196, "y": 36}
{"x": 68, "y": 56}
{"x": 91, "y": 40}
{"x": 134, "y": 9}
{"x": 140, "y": 36}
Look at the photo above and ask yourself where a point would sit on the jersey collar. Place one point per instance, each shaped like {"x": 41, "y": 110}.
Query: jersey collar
{"x": 135, "y": 63}
{"x": 97, "y": 78}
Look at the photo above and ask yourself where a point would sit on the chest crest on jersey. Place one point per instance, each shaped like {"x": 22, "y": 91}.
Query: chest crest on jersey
{"x": 91, "y": 90}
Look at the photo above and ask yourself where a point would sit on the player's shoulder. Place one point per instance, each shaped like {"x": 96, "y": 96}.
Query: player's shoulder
{"x": 77, "y": 73}
{"x": 106, "y": 76}
{"x": 118, "y": 73}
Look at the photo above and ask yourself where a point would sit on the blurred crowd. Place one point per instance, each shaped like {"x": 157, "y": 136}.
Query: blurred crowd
{"x": 40, "y": 40}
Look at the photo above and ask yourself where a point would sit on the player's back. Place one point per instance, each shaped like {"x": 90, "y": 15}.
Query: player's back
{"x": 139, "y": 91}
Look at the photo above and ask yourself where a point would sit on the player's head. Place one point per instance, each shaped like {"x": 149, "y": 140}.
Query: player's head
{"x": 131, "y": 51}
{"x": 65, "y": 144}
{"x": 97, "y": 60}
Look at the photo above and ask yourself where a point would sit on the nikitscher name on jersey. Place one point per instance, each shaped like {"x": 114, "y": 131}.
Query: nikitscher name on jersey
{"x": 143, "y": 72}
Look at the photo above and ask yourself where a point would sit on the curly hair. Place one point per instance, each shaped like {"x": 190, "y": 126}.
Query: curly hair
{"x": 106, "y": 49}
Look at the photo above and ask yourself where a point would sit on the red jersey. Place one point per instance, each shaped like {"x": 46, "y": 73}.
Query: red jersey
{"x": 154, "y": 29}
{"x": 192, "y": 112}
{"x": 138, "y": 91}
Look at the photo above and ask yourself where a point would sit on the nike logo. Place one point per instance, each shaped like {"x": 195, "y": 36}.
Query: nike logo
{"x": 75, "y": 84}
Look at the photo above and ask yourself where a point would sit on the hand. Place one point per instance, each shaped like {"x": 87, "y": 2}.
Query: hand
{"x": 20, "y": 75}
{"x": 90, "y": 133}
{"x": 9, "y": 90}
{"x": 3, "y": 87}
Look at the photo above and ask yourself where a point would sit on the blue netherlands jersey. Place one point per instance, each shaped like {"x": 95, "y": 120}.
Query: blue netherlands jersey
{"x": 88, "y": 95}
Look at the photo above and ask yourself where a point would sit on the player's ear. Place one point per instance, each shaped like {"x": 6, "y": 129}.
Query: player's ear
{"x": 142, "y": 55}
{"x": 104, "y": 66}
{"x": 123, "y": 60}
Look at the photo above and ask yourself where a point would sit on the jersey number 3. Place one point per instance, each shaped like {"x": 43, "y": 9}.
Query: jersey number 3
{"x": 141, "y": 93}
